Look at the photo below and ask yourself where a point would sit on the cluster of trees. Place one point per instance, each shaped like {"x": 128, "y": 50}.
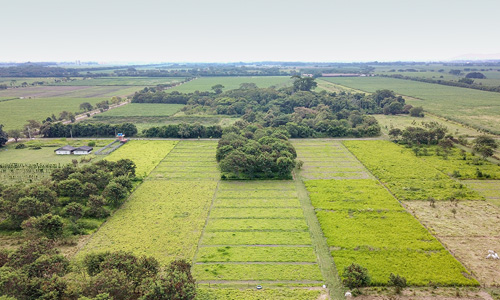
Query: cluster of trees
{"x": 461, "y": 83}
{"x": 52, "y": 208}
{"x": 4, "y": 137}
{"x": 484, "y": 145}
{"x": 297, "y": 109}
{"x": 432, "y": 133}
{"x": 197, "y": 71}
{"x": 184, "y": 131}
{"x": 248, "y": 152}
{"x": 37, "y": 270}
{"x": 52, "y": 130}
{"x": 36, "y": 70}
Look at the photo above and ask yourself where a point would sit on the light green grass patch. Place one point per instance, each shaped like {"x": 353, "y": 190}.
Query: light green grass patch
{"x": 257, "y": 272}
{"x": 256, "y": 254}
{"x": 256, "y": 238}
{"x": 256, "y": 224}
{"x": 252, "y": 213}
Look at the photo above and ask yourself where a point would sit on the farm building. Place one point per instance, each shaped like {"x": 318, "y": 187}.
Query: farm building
{"x": 65, "y": 150}
{"x": 83, "y": 150}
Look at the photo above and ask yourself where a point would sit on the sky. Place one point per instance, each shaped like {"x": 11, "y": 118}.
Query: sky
{"x": 247, "y": 30}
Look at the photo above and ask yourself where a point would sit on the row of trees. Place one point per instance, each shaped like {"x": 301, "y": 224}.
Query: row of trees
{"x": 184, "y": 131}
{"x": 37, "y": 270}
{"x": 52, "y": 130}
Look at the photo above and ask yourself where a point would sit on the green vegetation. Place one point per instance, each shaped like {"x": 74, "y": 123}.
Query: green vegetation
{"x": 142, "y": 110}
{"x": 128, "y": 81}
{"x": 145, "y": 154}
{"x": 203, "y": 84}
{"x": 275, "y": 294}
{"x": 407, "y": 176}
{"x": 467, "y": 106}
{"x": 260, "y": 272}
{"x": 140, "y": 225}
{"x": 256, "y": 254}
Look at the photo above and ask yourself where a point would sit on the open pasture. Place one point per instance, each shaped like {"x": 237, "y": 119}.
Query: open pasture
{"x": 476, "y": 108}
{"x": 489, "y": 189}
{"x": 468, "y": 229}
{"x": 159, "y": 219}
{"x": 387, "y": 122}
{"x": 256, "y": 231}
{"x": 407, "y": 176}
{"x": 129, "y": 81}
{"x": 252, "y": 294}
{"x": 205, "y": 83}
{"x": 141, "y": 110}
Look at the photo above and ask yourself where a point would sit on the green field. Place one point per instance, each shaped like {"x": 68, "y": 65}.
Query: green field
{"x": 130, "y": 81}
{"x": 256, "y": 231}
{"x": 407, "y": 176}
{"x": 363, "y": 223}
{"x": 141, "y": 110}
{"x": 472, "y": 107}
{"x": 229, "y": 83}
{"x": 41, "y": 102}
{"x": 387, "y": 122}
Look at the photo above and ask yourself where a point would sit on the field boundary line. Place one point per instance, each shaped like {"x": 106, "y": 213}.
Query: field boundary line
{"x": 206, "y": 223}
{"x": 325, "y": 260}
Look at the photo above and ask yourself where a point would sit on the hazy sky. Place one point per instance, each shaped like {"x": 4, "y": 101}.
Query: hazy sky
{"x": 247, "y": 30}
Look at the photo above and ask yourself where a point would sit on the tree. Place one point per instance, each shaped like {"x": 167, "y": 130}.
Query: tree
{"x": 417, "y": 112}
{"x": 115, "y": 100}
{"x": 85, "y": 106}
{"x": 176, "y": 284}
{"x": 49, "y": 225}
{"x": 484, "y": 145}
{"x": 476, "y": 75}
{"x": 218, "y": 88}
{"x": 247, "y": 85}
{"x": 355, "y": 276}
{"x": 466, "y": 80}
{"x": 31, "y": 128}
{"x": 4, "y": 138}
{"x": 304, "y": 83}
{"x": 115, "y": 193}
{"x": 16, "y": 134}
{"x": 399, "y": 282}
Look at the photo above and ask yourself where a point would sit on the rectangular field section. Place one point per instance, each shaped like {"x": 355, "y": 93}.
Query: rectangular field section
{"x": 256, "y": 231}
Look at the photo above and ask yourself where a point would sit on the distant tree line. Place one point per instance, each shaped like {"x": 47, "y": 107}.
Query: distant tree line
{"x": 53, "y": 130}
{"x": 463, "y": 83}
{"x": 35, "y": 70}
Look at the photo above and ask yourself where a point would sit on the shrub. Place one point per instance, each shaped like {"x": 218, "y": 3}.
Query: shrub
{"x": 20, "y": 146}
{"x": 399, "y": 282}
{"x": 355, "y": 276}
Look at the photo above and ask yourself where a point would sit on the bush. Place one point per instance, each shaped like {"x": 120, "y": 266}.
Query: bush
{"x": 399, "y": 282}
{"x": 355, "y": 276}
{"x": 20, "y": 146}
{"x": 91, "y": 144}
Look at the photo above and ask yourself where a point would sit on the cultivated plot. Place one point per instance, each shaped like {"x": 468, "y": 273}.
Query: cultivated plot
{"x": 327, "y": 160}
{"x": 256, "y": 232}
{"x": 229, "y": 83}
{"x": 489, "y": 189}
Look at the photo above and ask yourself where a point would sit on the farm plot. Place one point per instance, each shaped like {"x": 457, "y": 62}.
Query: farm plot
{"x": 327, "y": 160}
{"x": 160, "y": 219}
{"x": 256, "y": 231}
{"x": 407, "y": 176}
{"x": 364, "y": 224}
{"x": 145, "y": 154}
{"x": 229, "y": 83}
{"x": 189, "y": 160}
{"x": 489, "y": 189}
{"x": 476, "y": 108}
{"x": 275, "y": 294}
{"x": 468, "y": 229}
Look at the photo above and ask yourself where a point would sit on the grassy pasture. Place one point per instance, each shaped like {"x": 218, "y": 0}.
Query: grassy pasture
{"x": 275, "y": 294}
{"x": 141, "y": 110}
{"x": 407, "y": 176}
{"x": 229, "y": 83}
{"x": 489, "y": 189}
{"x": 387, "y": 122}
{"x": 129, "y": 81}
{"x": 472, "y": 107}
{"x": 159, "y": 219}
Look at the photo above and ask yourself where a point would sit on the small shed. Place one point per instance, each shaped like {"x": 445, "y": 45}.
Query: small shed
{"x": 83, "y": 150}
{"x": 66, "y": 150}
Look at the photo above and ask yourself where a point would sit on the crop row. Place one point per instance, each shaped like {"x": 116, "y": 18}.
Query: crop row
{"x": 256, "y": 254}
{"x": 407, "y": 176}
{"x": 260, "y": 272}
{"x": 268, "y": 203}
{"x": 275, "y": 294}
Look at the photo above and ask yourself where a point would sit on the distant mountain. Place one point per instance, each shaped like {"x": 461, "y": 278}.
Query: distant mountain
{"x": 475, "y": 56}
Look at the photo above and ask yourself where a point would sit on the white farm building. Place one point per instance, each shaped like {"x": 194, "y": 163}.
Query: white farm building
{"x": 66, "y": 150}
